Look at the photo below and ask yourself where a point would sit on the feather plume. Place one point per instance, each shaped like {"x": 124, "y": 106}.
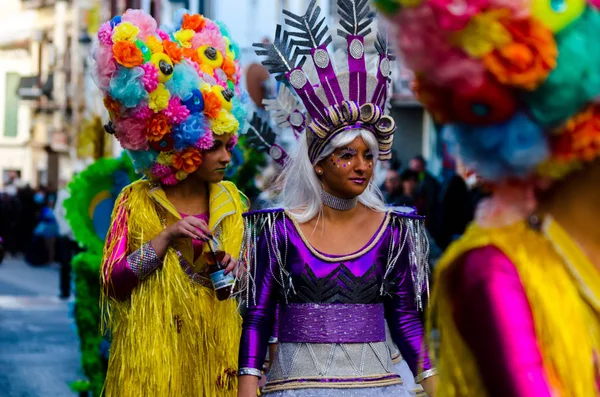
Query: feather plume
{"x": 355, "y": 17}
{"x": 311, "y": 29}
{"x": 281, "y": 55}
{"x": 283, "y": 106}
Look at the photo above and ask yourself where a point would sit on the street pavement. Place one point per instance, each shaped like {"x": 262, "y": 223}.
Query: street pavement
{"x": 39, "y": 352}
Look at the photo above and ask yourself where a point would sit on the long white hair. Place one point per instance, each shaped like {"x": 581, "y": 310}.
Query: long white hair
{"x": 301, "y": 188}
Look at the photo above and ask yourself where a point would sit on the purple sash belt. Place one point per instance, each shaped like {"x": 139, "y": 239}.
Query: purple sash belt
{"x": 331, "y": 323}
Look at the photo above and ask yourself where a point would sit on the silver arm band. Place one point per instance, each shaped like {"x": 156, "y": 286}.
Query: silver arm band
{"x": 426, "y": 374}
{"x": 144, "y": 261}
{"x": 250, "y": 371}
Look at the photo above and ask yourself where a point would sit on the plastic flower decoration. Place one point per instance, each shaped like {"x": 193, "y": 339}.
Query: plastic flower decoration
{"x": 169, "y": 93}
{"x": 516, "y": 82}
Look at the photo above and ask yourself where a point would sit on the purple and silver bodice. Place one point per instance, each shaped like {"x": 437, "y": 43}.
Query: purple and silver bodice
{"x": 332, "y": 309}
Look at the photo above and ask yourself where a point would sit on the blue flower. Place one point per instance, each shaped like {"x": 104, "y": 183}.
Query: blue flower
{"x": 189, "y": 132}
{"x": 510, "y": 149}
{"x": 142, "y": 159}
{"x": 126, "y": 86}
{"x": 195, "y": 103}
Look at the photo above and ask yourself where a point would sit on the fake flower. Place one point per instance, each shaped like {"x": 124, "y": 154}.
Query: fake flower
{"x": 142, "y": 112}
{"x": 105, "y": 34}
{"x": 483, "y": 34}
{"x": 161, "y": 170}
{"x": 130, "y": 133}
{"x": 127, "y": 53}
{"x": 144, "y": 22}
{"x": 173, "y": 51}
{"x": 435, "y": 99}
{"x": 212, "y": 103}
{"x": 159, "y": 98}
{"x": 176, "y": 112}
{"x": 206, "y": 142}
{"x": 232, "y": 142}
{"x": 158, "y": 127}
{"x": 455, "y": 14}
{"x": 189, "y": 132}
{"x": 150, "y": 79}
{"x": 196, "y": 102}
{"x": 184, "y": 37}
{"x": 165, "y": 158}
{"x": 224, "y": 123}
{"x": 557, "y": 14}
{"x": 209, "y": 37}
{"x": 112, "y": 106}
{"x": 188, "y": 160}
{"x": 164, "y": 145}
{"x": 579, "y": 138}
{"x": 527, "y": 60}
{"x": 490, "y": 103}
{"x": 194, "y": 22}
{"x": 181, "y": 175}
{"x": 126, "y": 86}
{"x": 154, "y": 44}
{"x": 125, "y": 31}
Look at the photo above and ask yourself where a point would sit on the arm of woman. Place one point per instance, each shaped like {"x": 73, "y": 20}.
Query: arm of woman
{"x": 123, "y": 270}
{"x": 406, "y": 325}
{"x": 493, "y": 316}
{"x": 258, "y": 321}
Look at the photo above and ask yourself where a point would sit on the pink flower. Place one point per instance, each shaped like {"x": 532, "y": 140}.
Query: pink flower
{"x": 163, "y": 36}
{"x": 143, "y": 21}
{"x": 160, "y": 170}
{"x": 142, "y": 113}
{"x": 105, "y": 34}
{"x": 521, "y": 9}
{"x": 426, "y": 50}
{"x": 105, "y": 66}
{"x": 209, "y": 37}
{"x": 232, "y": 142}
{"x": 206, "y": 142}
{"x": 150, "y": 78}
{"x": 130, "y": 133}
{"x": 455, "y": 14}
{"x": 169, "y": 180}
{"x": 176, "y": 112}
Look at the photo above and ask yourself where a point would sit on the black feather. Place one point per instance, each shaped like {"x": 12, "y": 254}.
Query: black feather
{"x": 355, "y": 17}
{"x": 281, "y": 55}
{"x": 260, "y": 135}
{"x": 311, "y": 30}
{"x": 382, "y": 45}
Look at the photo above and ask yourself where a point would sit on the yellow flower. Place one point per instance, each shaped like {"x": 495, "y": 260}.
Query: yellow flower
{"x": 159, "y": 98}
{"x": 224, "y": 123}
{"x": 125, "y": 31}
{"x": 181, "y": 175}
{"x": 483, "y": 34}
{"x": 184, "y": 37}
{"x": 165, "y": 158}
{"x": 154, "y": 44}
{"x": 556, "y": 170}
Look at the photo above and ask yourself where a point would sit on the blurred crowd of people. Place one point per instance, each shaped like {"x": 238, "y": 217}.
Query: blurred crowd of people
{"x": 448, "y": 202}
{"x": 33, "y": 226}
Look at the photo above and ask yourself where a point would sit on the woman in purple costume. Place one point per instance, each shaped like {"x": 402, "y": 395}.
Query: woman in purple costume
{"x": 334, "y": 259}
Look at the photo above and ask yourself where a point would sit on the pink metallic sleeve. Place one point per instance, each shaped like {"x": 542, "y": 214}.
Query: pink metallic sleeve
{"x": 493, "y": 316}
{"x": 124, "y": 270}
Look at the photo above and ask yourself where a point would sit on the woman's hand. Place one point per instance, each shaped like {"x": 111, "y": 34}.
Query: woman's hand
{"x": 230, "y": 264}
{"x": 189, "y": 226}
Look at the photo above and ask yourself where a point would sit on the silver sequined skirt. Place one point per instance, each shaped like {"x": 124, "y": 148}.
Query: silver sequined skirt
{"x": 386, "y": 391}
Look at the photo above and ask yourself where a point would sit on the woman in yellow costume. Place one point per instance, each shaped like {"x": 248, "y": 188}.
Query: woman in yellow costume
{"x": 516, "y": 301}
{"x": 175, "y": 106}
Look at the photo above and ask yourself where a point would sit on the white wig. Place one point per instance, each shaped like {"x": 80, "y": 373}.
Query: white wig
{"x": 301, "y": 188}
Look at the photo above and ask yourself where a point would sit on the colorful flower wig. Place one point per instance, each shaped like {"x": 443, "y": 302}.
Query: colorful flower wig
{"x": 169, "y": 93}
{"x": 515, "y": 82}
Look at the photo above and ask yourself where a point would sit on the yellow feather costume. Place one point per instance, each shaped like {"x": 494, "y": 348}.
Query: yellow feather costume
{"x": 173, "y": 337}
{"x": 562, "y": 287}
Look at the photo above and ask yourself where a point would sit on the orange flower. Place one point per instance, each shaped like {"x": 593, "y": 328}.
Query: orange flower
{"x": 127, "y": 54}
{"x": 526, "y": 61}
{"x": 195, "y": 22}
{"x": 173, "y": 51}
{"x": 579, "y": 138}
{"x": 158, "y": 126}
{"x": 114, "y": 110}
{"x": 229, "y": 68}
{"x": 191, "y": 54}
{"x": 212, "y": 104}
{"x": 435, "y": 99}
{"x": 188, "y": 160}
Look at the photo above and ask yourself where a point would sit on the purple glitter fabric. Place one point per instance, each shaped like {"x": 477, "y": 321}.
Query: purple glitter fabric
{"x": 332, "y": 323}
{"x": 320, "y": 278}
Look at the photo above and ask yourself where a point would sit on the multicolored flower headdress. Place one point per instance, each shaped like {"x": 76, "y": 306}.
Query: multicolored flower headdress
{"x": 517, "y": 82}
{"x": 340, "y": 101}
{"x": 168, "y": 93}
